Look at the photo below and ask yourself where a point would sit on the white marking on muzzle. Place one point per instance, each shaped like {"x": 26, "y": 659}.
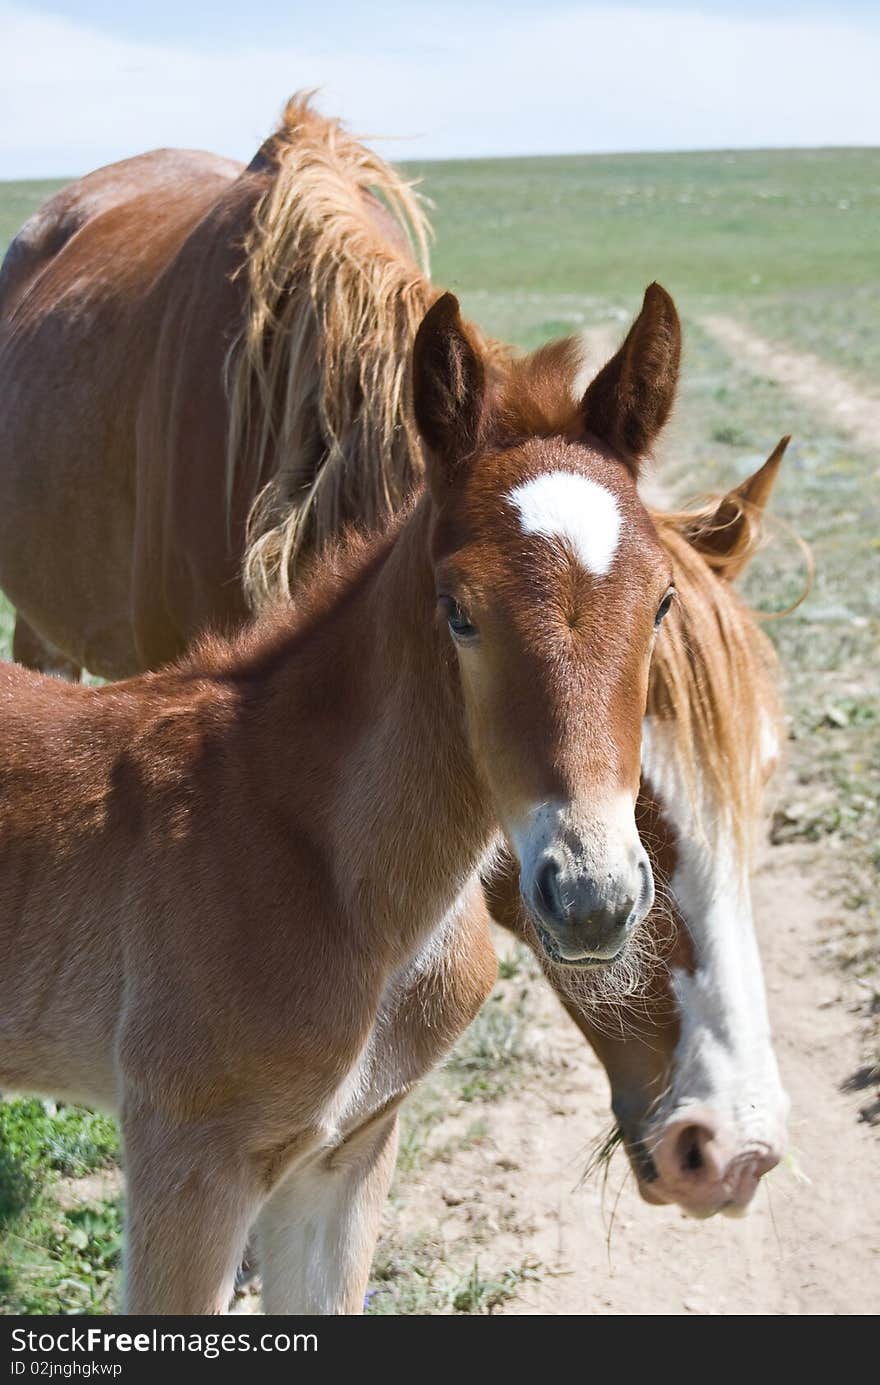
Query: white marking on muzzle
{"x": 574, "y": 510}
{"x": 592, "y": 846}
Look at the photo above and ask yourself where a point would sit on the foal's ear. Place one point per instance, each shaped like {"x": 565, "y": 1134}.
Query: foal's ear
{"x": 449, "y": 388}
{"x": 630, "y": 399}
{"x": 728, "y": 535}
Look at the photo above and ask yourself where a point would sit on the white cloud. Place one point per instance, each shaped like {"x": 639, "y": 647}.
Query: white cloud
{"x": 559, "y": 78}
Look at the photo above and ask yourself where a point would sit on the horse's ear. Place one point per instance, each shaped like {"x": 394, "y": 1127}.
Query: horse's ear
{"x": 630, "y": 399}
{"x": 727, "y": 536}
{"x": 449, "y": 388}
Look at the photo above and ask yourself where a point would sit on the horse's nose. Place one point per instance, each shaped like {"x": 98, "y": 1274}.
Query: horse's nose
{"x": 703, "y": 1169}
{"x": 580, "y": 918}
{"x": 549, "y": 892}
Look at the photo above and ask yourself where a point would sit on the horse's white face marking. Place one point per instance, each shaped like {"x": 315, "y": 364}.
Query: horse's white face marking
{"x": 724, "y": 1058}
{"x": 573, "y": 510}
{"x": 612, "y": 829}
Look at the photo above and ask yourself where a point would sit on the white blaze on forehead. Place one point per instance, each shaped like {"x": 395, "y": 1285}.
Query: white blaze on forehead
{"x": 574, "y": 510}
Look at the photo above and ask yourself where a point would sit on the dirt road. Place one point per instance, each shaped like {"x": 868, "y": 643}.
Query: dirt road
{"x": 806, "y": 378}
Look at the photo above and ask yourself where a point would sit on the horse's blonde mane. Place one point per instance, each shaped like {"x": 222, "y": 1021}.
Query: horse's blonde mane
{"x": 714, "y": 681}
{"x": 318, "y": 378}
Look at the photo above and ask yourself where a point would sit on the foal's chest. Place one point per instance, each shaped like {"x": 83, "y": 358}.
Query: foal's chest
{"x": 424, "y": 1010}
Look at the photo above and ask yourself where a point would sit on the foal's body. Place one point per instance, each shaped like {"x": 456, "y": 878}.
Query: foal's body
{"x": 149, "y": 823}
{"x": 240, "y": 899}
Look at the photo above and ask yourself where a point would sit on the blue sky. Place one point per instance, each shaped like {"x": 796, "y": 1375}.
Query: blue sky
{"x": 88, "y": 81}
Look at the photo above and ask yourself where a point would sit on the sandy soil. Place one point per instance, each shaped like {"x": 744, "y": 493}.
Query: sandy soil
{"x": 806, "y": 377}
{"x": 811, "y": 1244}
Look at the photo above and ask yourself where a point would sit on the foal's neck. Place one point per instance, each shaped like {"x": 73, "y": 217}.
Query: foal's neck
{"x": 404, "y": 816}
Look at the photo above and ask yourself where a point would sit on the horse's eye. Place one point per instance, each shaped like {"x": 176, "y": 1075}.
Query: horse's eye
{"x": 459, "y": 625}
{"x": 664, "y": 605}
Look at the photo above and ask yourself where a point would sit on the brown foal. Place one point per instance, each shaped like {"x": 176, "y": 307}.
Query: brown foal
{"x": 241, "y": 897}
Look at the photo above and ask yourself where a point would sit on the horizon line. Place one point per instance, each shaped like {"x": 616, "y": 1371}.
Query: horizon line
{"x": 499, "y": 158}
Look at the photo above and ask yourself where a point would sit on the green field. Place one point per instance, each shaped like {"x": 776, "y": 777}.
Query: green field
{"x": 785, "y": 242}
{"x": 788, "y": 237}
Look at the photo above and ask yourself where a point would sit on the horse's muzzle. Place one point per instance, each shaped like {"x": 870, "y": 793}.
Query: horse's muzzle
{"x": 581, "y": 919}
{"x": 701, "y": 1166}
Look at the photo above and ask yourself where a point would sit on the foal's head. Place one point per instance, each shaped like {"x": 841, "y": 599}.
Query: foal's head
{"x": 552, "y": 582}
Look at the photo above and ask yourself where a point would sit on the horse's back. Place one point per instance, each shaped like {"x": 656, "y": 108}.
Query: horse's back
{"x": 45, "y": 234}
{"x": 82, "y": 294}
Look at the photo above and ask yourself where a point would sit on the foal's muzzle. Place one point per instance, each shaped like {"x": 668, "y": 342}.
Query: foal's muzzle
{"x": 584, "y": 919}
{"x": 584, "y": 878}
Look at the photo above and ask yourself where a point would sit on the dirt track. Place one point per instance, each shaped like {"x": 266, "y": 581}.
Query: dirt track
{"x": 806, "y": 378}
{"x": 811, "y": 1244}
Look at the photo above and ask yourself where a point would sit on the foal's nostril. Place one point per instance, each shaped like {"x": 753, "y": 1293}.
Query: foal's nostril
{"x": 549, "y": 892}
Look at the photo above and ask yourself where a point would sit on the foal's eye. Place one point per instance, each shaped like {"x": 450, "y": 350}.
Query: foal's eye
{"x": 664, "y": 606}
{"x": 459, "y": 625}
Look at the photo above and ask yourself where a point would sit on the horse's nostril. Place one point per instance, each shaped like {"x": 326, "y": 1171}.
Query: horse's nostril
{"x": 625, "y": 913}
{"x": 690, "y": 1149}
{"x": 705, "y": 1167}
{"x": 549, "y": 893}
{"x": 646, "y": 879}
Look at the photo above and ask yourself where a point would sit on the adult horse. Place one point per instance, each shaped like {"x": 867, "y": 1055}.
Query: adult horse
{"x": 187, "y": 311}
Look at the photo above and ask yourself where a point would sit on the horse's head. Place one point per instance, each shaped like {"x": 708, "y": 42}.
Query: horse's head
{"x": 551, "y": 581}
{"x": 695, "y": 1086}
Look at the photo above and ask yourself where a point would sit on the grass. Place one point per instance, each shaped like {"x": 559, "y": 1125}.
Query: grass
{"x": 786, "y": 241}
{"x": 835, "y": 322}
{"x": 18, "y": 201}
{"x": 706, "y": 224}
{"x": 531, "y": 244}
{"x": 489, "y": 1060}
{"x": 60, "y": 1238}
{"x": 414, "y": 1277}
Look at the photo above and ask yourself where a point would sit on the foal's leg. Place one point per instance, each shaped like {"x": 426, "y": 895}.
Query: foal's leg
{"x": 318, "y": 1230}
{"x": 190, "y": 1204}
{"x": 33, "y": 651}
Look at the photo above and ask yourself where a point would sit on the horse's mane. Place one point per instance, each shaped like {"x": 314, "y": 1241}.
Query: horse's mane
{"x": 714, "y": 681}
{"x": 318, "y": 379}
